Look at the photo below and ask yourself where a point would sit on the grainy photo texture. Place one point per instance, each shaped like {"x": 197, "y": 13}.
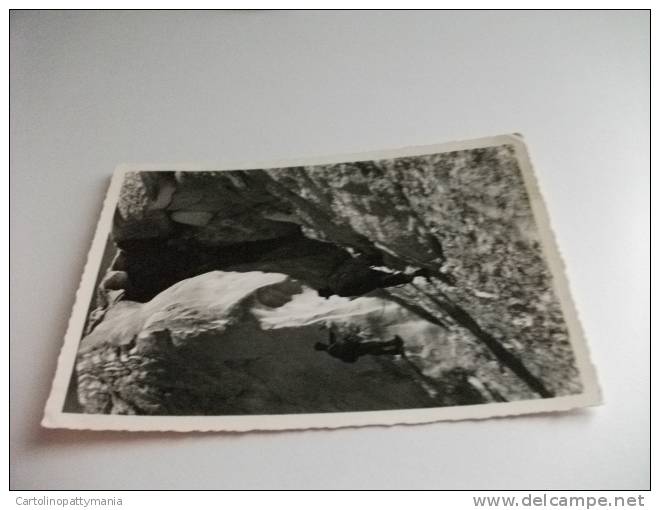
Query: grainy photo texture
{"x": 417, "y": 283}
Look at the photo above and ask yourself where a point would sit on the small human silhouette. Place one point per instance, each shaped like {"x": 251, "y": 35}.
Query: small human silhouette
{"x": 350, "y": 348}
{"x": 358, "y": 276}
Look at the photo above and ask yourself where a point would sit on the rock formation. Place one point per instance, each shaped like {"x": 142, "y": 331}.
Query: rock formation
{"x": 456, "y": 229}
{"x": 227, "y": 343}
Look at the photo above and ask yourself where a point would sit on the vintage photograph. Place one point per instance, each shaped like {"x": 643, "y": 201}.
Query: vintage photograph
{"x": 423, "y": 281}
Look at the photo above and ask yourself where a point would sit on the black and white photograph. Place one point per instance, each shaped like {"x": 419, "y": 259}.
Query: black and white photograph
{"x": 337, "y": 249}
{"x": 425, "y": 282}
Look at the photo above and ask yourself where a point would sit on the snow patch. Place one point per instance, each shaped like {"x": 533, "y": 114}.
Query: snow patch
{"x": 308, "y": 307}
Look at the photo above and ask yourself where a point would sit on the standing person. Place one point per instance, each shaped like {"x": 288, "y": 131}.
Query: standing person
{"x": 351, "y": 347}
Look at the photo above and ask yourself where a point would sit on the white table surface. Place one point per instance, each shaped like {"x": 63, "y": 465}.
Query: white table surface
{"x": 91, "y": 90}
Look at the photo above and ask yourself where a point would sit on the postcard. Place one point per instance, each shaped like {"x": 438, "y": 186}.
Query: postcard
{"x": 396, "y": 287}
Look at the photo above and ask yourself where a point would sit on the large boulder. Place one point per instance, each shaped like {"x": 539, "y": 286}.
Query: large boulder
{"x": 242, "y": 343}
{"x": 212, "y": 208}
{"x": 140, "y": 209}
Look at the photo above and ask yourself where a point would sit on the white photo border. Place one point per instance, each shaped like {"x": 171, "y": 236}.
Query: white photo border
{"x": 55, "y": 417}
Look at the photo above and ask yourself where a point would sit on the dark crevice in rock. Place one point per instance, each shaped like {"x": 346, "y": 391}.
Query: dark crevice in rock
{"x": 154, "y": 265}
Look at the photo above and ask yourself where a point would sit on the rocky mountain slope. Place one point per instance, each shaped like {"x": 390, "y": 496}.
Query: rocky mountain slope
{"x": 460, "y": 221}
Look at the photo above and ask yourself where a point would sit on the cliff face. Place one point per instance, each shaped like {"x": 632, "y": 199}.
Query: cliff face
{"x": 460, "y": 222}
{"x": 464, "y": 215}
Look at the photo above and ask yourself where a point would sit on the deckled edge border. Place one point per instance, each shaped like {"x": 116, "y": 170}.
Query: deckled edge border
{"x": 54, "y": 417}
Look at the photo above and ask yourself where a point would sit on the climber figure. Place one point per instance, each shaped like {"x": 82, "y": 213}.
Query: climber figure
{"x": 351, "y": 347}
{"x": 360, "y": 275}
